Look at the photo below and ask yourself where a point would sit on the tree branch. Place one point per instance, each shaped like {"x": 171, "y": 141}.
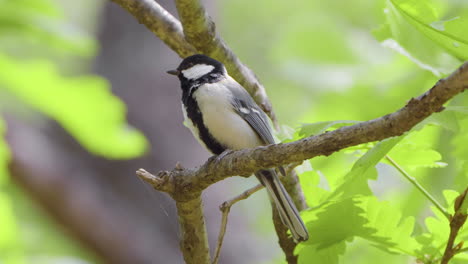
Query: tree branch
{"x": 187, "y": 184}
{"x": 225, "y": 208}
{"x": 194, "y": 241}
{"x": 285, "y": 241}
{"x": 160, "y": 22}
{"x": 456, "y": 223}
{"x": 200, "y": 31}
{"x": 200, "y": 37}
{"x": 183, "y": 184}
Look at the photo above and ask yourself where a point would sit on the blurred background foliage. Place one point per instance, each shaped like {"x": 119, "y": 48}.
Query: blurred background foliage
{"x": 325, "y": 65}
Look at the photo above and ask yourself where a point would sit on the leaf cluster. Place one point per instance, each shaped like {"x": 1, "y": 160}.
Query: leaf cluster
{"x": 347, "y": 61}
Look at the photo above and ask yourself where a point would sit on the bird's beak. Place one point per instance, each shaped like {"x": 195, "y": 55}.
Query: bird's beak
{"x": 173, "y": 72}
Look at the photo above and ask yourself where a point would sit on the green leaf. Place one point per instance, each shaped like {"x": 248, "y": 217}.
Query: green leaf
{"x": 413, "y": 30}
{"x": 459, "y": 141}
{"x": 416, "y": 150}
{"x": 308, "y": 130}
{"x": 40, "y": 22}
{"x": 84, "y": 106}
{"x": 10, "y": 249}
{"x": 312, "y": 254}
{"x": 31, "y": 8}
{"x": 450, "y": 196}
{"x": 332, "y": 169}
{"x": 448, "y": 119}
{"x": 393, "y": 234}
{"x": 324, "y": 222}
{"x": 310, "y": 181}
{"x": 464, "y": 206}
{"x": 356, "y": 181}
{"x": 366, "y": 217}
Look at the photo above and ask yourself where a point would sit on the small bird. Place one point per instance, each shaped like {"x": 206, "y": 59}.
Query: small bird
{"x": 223, "y": 116}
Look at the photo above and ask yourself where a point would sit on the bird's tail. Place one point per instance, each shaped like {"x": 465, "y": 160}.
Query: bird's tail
{"x": 286, "y": 208}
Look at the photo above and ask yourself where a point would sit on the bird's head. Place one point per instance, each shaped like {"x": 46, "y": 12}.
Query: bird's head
{"x": 198, "y": 66}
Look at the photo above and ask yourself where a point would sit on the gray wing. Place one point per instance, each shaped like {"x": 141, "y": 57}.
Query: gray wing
{"x": 246, "y": 107}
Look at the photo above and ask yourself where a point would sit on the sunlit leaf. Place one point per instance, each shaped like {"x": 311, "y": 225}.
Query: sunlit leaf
{"x": 459, "y": 141}
{"x": 312, "y": 254}
{"x": 41, "y": 22}
{"x": 464, "y": 206}
{"x": 411, "y": 31}
{"x": 313, "y": 192}
{"x": 31, "y": 7}
{"x": 84, "y": 106}
{"x": 332, "y": 168}
{"x": 10, "y": 249}
{"x": 416, "y": 150}
{"x": 356, "y": 181}
{"x": 366, "y": 217}
{"x": 393, "y": 233}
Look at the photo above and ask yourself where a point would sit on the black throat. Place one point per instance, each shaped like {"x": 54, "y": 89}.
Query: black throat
{"x": 193, "y": 111}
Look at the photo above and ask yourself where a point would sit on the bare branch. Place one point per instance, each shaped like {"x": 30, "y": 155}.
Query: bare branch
{"x": 285, "y": 241}
{"x": 200, "y": 31}
{"x": 225, "y": 209}
{"x": 194, "y": 240}
{"x": 456, "y": 223}
{"x": 200, "y": 36}
{"x": 160, "y": 22}
{"x": 183, "y": 183}
{"x": 292, "y": 184}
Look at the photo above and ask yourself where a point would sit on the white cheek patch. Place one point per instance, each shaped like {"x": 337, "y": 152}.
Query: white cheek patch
{"x": 197, "y": 71}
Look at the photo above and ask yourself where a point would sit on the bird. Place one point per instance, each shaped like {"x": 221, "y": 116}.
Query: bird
{"x": 223, "y": 117}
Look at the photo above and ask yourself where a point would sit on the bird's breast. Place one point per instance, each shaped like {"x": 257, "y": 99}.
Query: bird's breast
{"x": 221, "y": 120}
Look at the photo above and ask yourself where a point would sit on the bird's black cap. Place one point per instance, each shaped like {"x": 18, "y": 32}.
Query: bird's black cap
{"x": 197, "y": 59}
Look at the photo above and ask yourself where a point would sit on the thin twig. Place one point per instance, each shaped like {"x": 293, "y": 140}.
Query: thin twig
{"x": 456, "y": 223}
{"x": 225, "y": 209}
{"x": 418, "y": 186}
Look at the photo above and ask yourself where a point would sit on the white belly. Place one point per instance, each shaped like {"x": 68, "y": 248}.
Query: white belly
{"x": 222, "y": 122}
